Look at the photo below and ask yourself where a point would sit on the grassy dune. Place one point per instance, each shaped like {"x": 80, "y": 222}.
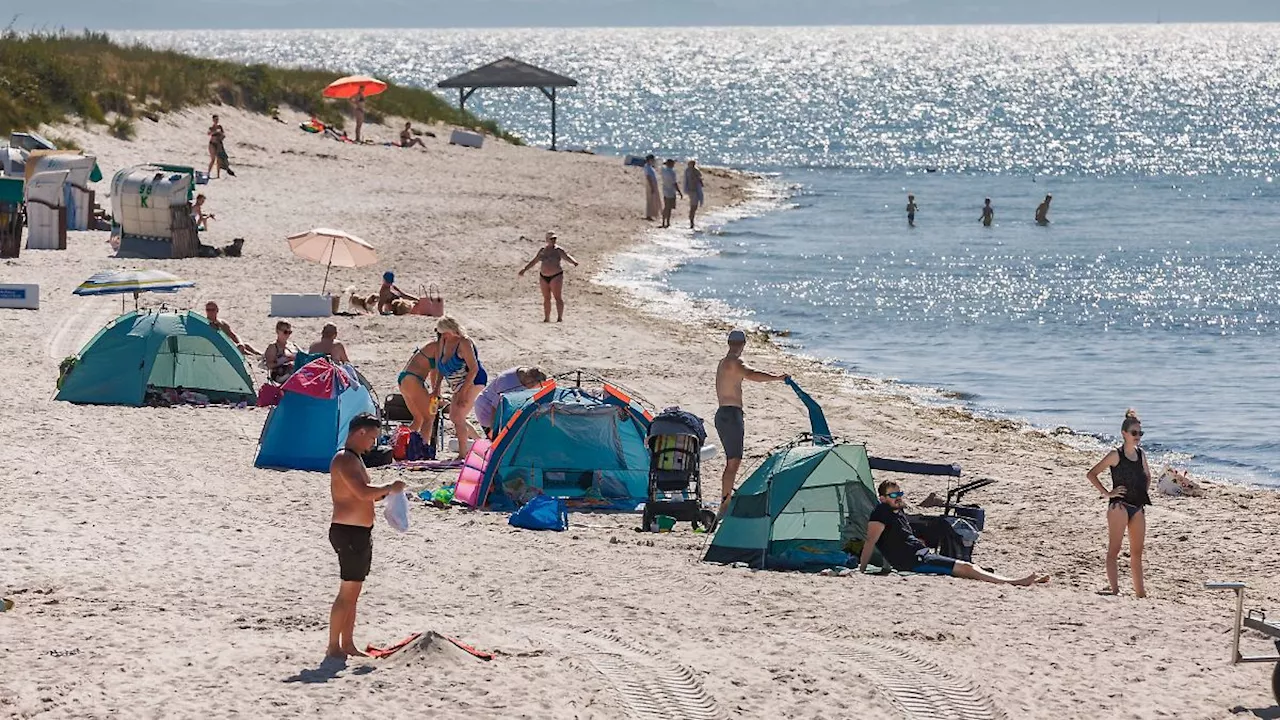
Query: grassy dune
{"x": 48, "y": 77}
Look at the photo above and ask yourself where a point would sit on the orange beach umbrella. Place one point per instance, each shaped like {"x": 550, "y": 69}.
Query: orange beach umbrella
{"x": 347, "y": 87}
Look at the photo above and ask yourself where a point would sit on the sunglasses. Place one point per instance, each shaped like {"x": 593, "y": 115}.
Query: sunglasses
{"x": 286, "y": 332}
{"x": 1136, "y": 433}
{"x": 895, "y": 494}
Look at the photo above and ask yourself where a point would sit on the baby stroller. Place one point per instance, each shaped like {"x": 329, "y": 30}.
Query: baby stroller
{"x": 675, "y": 475}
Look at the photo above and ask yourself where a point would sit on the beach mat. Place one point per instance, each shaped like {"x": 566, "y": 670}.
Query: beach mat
{"x": 426, "y": 465}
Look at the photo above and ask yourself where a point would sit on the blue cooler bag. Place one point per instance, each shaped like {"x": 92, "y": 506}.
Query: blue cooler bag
{"x": 542, "y": 513}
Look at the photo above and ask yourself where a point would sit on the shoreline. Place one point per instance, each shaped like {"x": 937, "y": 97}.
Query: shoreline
{"x": 144, "y": 539}
{"x": 770, "y": 194}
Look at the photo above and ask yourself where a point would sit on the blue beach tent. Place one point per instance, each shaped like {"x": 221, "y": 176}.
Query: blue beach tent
{"x": 144, "y": 349}
{"x": 309, "y": 425}
{"x": 585, "y": 446}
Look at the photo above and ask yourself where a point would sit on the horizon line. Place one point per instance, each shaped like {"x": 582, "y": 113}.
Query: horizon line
{"x": 1149, "y": 23}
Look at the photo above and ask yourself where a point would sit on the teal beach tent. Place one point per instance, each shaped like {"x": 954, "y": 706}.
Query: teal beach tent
{"x": 802, "y": 505}
{"x": 585, "y": 446}
{"x": 144, "y": 349}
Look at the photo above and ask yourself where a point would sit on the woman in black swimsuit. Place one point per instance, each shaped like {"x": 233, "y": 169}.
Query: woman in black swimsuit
{"x": 551, "y": 275}
{"x": 1126, "y": 500}
{"x": 216, "y": 137}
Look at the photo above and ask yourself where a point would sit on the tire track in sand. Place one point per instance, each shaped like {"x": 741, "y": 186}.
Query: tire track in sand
{"x": 920, "y": 689}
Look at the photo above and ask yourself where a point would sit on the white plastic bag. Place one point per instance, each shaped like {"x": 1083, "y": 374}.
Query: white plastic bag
{"x": 396, "y": 511}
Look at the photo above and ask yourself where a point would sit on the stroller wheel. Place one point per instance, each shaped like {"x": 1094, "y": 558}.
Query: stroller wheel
{"x": 706, "y": 519}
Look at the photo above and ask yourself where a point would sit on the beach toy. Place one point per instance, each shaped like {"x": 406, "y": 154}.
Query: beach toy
{"x": 443, "y": 495}
{"x": 664, "y": 523}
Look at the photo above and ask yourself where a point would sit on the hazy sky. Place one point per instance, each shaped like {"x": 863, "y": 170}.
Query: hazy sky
{"x": 194, "y": 14}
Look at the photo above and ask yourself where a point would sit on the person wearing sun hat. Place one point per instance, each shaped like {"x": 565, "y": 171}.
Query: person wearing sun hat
{"x": 389, "y": 293}
{"x": 729, "y": 419}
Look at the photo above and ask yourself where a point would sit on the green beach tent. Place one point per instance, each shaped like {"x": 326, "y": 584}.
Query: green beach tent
{"x": 799, "y": 508}
{"x": 144, "y": 349}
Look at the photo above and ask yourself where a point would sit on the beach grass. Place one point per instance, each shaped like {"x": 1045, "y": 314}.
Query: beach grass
{"x": 49, "y": 77}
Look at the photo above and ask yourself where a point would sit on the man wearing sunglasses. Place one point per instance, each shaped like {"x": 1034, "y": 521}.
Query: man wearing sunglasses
{"x": 890, "y": 531}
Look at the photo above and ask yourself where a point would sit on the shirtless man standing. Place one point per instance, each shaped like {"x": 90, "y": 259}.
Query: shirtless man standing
{"x": 351, "y": 532}
{"x": 328, "y": 345}
{"x": 729, "y": 417}
{"x": 211, "y": 314}
{"x": 1042, "y": 212}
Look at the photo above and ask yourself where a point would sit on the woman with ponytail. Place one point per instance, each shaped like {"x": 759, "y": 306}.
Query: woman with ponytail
{"x": 1126, "y": 500}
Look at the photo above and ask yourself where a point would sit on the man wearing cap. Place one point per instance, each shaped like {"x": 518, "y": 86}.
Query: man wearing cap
{"x": 389, "y": 293}
{"x": 729, "y": 417}
{"x": 328, "y": 345}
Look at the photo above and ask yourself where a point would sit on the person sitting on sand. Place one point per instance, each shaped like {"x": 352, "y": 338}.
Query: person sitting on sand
{"x": 388, "y": 293}
{"x": 351, "y": 528}
{"x": 729, "y": 418}
{"x": 890, "y": 531}
{"x": 988, "y": 214}
{"x": 1042, "y": 212}
{"x": 279, "y": 355}
{"x": 199, "y": 216}
{"x": 211, "y": 313}
{"x": 1126, "y": 500}
{"x": 509, "y": 381}
{"x": 551, "y": 275}
{"x": 407, "y": 140}
{"x": 328, "y": 345}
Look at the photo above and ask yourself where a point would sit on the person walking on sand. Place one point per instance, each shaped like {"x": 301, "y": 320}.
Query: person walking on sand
{"x": 911, "y": 210}
{"x": 652, "y": 197}
{"x": 351, "y": 528}
{"x": 670, "y": 190}
{"x": 988, "y": 213}
{"x": 889, "y": 530}
{"x": 693, "y": 189}
{"x": 1126, "y": 500}
{"x": 1042, "y": 212}
{"x": 550, "y": 275}
{"x": 357, "y": 110}
{"x": 729, "y": 419}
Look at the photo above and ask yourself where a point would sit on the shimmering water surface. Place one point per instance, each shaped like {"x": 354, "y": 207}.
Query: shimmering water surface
{"x": 1155, "y": 286}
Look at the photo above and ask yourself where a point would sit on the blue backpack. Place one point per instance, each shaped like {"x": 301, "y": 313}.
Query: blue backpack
{"x": 542, "y": 513}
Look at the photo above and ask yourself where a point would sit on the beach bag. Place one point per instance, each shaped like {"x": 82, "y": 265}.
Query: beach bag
{"x": 542, "y": 512}
{"x": 430, "y": 302}
{"x": 269, "y": 395}
{"x": 396, "y": 511}
{"x": 400, "y": 444}
{"x": 380, "y": 456}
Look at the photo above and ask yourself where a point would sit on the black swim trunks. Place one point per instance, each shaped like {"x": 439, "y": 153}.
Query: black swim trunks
{"x": 731, "y": 429}
{"x": 354, "y": 545}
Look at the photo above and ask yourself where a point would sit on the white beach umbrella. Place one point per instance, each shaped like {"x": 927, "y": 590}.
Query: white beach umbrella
{"x": 332, "y": 247}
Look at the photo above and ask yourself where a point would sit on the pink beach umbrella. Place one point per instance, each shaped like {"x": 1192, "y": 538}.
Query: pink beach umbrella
{"x": 332, "y": 247}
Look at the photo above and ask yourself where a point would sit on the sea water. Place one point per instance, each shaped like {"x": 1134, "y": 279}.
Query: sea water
{"x": 1154, "y": 287}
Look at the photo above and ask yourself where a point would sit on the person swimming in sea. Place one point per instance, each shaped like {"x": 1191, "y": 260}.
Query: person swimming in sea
{"x": 911, "y": 210}
{"x": 550, "y": 275}
{"x": 988, "y": 214}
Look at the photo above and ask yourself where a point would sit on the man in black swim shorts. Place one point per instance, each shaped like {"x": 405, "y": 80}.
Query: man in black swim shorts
{"x": 351, "y": 532}
{"x": 729, "y": 420}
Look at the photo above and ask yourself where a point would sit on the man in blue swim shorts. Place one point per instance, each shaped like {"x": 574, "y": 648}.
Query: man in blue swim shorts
{"x": 889, "y": 531}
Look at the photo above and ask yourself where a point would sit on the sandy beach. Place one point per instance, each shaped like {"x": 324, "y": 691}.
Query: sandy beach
{"x": 157, "y": 573}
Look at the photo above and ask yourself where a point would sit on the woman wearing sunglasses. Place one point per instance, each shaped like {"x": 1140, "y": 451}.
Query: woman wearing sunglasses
{"x": 1130, "y": 481}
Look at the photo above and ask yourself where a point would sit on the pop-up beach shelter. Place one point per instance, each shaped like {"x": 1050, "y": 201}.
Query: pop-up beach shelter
{"x": 310, "y": 423}
{"x": 156, "y": 349}
{"x": 583, "y": 445}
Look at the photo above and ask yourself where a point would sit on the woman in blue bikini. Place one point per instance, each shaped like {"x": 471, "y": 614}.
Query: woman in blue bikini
{"x": 455, "y": 360}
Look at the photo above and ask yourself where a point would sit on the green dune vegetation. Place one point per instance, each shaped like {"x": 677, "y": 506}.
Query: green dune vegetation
{"x": 50, "y": 77}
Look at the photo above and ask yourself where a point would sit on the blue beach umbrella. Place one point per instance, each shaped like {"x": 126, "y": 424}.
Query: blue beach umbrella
{"x": 134, "y": 282}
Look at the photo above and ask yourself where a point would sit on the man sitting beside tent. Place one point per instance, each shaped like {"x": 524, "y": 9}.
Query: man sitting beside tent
{"x": 890, "y": 532}
{"x": 211, "y": 313}
{"x": 328, "y": 345}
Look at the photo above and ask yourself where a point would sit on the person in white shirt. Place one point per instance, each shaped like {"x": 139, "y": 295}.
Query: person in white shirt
{"x": 670, "y": 190}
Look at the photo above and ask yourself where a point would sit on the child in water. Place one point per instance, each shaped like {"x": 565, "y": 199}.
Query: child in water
{"x": 911, "y": 210}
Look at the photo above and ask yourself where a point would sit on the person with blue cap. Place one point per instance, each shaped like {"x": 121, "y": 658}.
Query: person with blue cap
{"x": 730, "y": 425}
{"x": 389, "y": 293}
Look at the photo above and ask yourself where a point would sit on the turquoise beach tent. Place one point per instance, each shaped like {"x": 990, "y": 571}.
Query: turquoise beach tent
{"x": 309, "y": 425}
{"x": 586, "y": 446}
{"x": 802, "y": 505}
{"x": 157, "y": 349}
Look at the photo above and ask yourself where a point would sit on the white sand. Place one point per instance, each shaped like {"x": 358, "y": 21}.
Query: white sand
{"x": 158, "y": 574}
